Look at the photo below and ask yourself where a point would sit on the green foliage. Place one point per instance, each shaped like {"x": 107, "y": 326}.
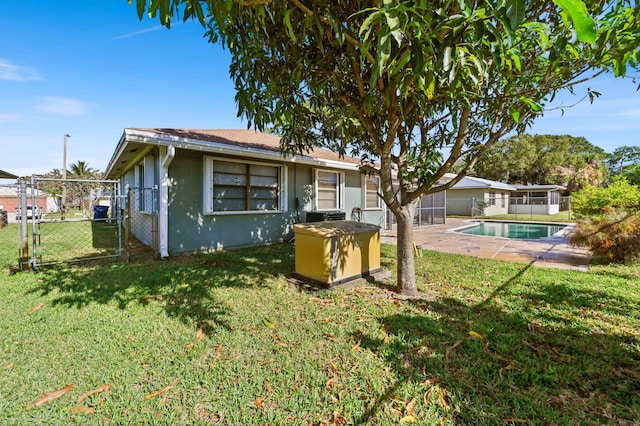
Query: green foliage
{"x": 620, "y": 195}
{"x": 395, "y": 82}
{"x": 609, "y": 223}
{"x": 544, "y": 159}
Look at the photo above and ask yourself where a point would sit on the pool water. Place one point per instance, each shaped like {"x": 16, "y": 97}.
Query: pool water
{"x": 523, "y": 231}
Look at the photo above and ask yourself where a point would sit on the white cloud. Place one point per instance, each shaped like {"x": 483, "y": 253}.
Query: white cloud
{"x": 64, "y": 106}
{"x": 12, "y": 72}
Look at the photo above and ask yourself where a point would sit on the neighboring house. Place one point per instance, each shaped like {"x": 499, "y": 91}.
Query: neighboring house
{"x": 10, "y": 201}
{"x": 536, "y": 199}
{"x": 205, "y": 190}
{"x": 466, "y": 198}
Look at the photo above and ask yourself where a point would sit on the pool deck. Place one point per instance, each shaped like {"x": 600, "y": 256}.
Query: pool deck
{"x": 552, "y": 252}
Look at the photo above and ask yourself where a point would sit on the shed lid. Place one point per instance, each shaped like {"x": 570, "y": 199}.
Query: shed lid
{"x": 333, "y": 228}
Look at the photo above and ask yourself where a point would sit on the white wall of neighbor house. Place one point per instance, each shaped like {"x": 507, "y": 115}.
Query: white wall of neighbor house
{"x": 461, "y": 201}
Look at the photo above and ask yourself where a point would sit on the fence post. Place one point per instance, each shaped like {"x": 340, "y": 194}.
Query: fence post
{"x": 127, "y": 224}
{"x": 24, "y": 237}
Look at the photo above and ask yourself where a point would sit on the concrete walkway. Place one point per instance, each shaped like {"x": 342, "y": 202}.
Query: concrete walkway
{"x": 552, "y": 252}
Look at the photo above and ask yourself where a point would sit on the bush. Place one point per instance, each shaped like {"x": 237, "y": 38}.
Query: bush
{"x": 594, "y": 201}
{"x": 615, "y": 238}
{"x": 609, "y": 221}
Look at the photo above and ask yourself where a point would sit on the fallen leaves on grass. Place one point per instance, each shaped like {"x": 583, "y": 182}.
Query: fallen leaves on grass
{"x": 34, "y": 309}
{"x": 408, "y": 419}
{"x": 200, "y": 334}
{"x": 329, "y": 337}
{"x": 508, "y": 367}
{"x": 51, "y": 396}
{"x": 217, "y": 352}
{"x": 162, "y": 391}
{"x": 77, "y": 409}
{"x": 259, "y": 402}
{"x": 103, "y": 388}
{"x": 475, "y": 335}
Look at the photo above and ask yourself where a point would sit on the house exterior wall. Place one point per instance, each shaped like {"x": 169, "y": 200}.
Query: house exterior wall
{"x": 460, "y": 201}
{"x": 192, "y": 229}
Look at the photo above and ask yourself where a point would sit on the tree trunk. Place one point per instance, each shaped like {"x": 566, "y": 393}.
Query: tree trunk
{"x": 405, "y": 253}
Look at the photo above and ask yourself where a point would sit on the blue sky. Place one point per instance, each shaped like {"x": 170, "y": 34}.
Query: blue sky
{"x": 90, "y": 68}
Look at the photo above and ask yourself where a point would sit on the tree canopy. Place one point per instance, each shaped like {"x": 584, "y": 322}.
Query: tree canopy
{"x": 410, "y": 87}
{"x": 544, "y": 159}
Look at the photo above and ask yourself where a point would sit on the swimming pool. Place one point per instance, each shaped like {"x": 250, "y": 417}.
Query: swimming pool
{"x": 516, "y": 230}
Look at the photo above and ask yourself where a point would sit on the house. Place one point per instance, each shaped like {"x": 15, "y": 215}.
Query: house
{"x": 204, "y": 190}
{"x": 536, "y": 199}
{"x": 477, "y": 196}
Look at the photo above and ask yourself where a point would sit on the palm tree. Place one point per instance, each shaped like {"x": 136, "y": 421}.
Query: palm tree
{"x": 81, "y": 170}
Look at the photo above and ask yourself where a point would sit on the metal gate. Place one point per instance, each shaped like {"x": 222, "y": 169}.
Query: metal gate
{"x": 69, "y": 220}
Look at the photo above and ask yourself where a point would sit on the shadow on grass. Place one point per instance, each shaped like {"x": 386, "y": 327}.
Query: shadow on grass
{"x": 535, "y": 358}
{"x": 186, "y": 287}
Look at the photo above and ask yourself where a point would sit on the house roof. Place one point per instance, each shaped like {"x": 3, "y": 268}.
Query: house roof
{"x": 246, "y": 143}
{"x": 469, "y": 182}
{"x": 7, "y": 175}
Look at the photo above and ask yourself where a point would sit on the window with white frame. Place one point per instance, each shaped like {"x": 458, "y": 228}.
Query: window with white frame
{"x": 329, "y": 190}
{"x": 235, "y": 186}
{"x": 144, "y": 191}
{"x": 371, "y": 188}
{"x": 492, "y": 198}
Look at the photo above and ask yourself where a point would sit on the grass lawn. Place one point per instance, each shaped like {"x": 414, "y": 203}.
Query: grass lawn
{"x": 226, "y": 338}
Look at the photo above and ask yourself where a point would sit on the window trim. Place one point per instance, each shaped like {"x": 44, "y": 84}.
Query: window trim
{"x": 207, "y": 202}
{"x": 339, "y": 188}
{"x": 364, "y": 193}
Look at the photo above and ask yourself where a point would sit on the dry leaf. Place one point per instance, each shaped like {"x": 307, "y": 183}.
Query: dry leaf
{"x": 50, "y": 397}
{"x": 356, "y": 347}
{"x": 430, "y": 382}
{"x": 408, "y": 419}
{"x": 334, "y": 400}
{"x": 259, "y": 403}
{"x": 513, "y": 420}
{"x": 189, "y": 346}
{"x": 267, "y": 386}
{"x": 162, "y": 391}
{"x": 443, "y": 400}
{"x": 8, "y": 366}
{"x": 330, "y": 337}
{"x": 200, "y": 334}
{"x": 329, "y": 383}
{"x": 338, "y": 419}
{"x": 475, "y": 335}
{"x": 411, "y": 406}
{"x": 508, "y": 367}
{"x": 209, "y": 416}
{"x": 82, "y": 409}
{"x": 34, "y": 309}
{"x": 217, "y": 352}
{"x": 103, "y": 388}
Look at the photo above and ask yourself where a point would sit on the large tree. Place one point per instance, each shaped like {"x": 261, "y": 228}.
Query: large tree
{"x": 410, "y": 87}
{"x": 544, "y": 159}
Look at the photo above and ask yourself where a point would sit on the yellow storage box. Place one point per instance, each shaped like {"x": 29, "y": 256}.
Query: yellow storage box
{"x": 334, "y": 252}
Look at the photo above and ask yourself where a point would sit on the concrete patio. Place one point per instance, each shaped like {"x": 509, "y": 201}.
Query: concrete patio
{"x": 553, "y": 252}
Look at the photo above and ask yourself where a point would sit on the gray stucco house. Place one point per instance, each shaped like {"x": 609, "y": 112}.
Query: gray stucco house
{"x": 204, "y": 190}
{"x": 463, "y": 196}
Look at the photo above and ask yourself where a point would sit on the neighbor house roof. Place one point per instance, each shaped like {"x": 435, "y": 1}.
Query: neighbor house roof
{"x": 7, "y": 175}
{"x": 246, "y": 143}
{"x": 469, "y": 182}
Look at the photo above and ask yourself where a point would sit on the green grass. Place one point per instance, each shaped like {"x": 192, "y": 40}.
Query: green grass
{"x": 552, "y": 346}
{"x": 563, "y": 216}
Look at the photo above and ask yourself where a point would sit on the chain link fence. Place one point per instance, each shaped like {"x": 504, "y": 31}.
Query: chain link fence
{"x": 140, "y": 221}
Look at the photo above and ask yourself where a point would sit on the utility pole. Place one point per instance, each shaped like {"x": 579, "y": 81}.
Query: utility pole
{"x": 63, "y": 204}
